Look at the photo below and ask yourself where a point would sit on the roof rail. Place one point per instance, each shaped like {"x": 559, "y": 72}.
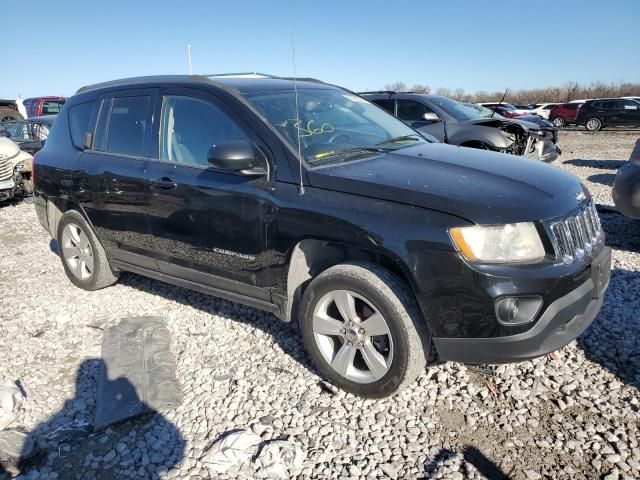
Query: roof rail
{"x": 390, "y": 92}
{"x": 242, "y": 74}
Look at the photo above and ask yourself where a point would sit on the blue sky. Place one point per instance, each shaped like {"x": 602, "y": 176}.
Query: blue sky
{"x": 61, "y": 45}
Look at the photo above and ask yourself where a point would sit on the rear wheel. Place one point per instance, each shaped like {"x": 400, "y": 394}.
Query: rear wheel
{"x": 559, "y": 122}
{"x": 362, "y": 328}
{"x": 83, "y": 258}
{"x": 593, "y": 124}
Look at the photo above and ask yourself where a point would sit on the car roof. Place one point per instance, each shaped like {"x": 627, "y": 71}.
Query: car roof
{"x": 240, "y": 83}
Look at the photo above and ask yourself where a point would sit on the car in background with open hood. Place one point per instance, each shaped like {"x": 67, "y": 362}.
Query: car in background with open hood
{"x": 475, "y": 126}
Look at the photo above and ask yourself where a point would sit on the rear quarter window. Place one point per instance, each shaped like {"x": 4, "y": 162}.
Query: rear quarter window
{"x": 79, "y": 118}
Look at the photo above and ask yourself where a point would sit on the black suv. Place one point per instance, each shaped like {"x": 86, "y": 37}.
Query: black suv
{"x": 305, "y": 200}
{"x": 605, "y": 112}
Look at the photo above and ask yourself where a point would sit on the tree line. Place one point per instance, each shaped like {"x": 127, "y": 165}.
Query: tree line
{"x": 569, "y": 91}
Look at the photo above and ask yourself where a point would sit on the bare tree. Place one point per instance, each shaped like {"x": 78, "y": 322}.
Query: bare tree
{"x": 396, "y": 87}
{"x": 458, "y": 94}
{"x": 443, "y": 91}
{"x": 417, "y": 88}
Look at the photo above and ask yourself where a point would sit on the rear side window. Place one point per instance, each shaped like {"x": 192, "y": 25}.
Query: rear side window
{"x": 572, "y": 106}
{"x": 79, "y": 118}
{"x": 388, "y": 105}
{"x": 127, "y": 125}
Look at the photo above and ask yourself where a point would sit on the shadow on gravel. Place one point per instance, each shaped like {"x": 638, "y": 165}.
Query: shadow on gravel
{"x": 284, "y": 334}
{"x": 142, "y": 447}
{"x": 612, "y": 338}
{"x": 603, "y": 164}
{"x": 603, "y": 178}
{"x": 487, "y": 467}
{"x": 622, "y": 233}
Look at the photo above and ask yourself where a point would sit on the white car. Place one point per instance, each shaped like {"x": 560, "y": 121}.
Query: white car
{"x": 508, "y": 106}
{"x": 15, "y": 170}
{"x": 544, "y": 109}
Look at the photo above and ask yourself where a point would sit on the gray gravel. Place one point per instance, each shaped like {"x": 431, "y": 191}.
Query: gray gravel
{"x": 574, "y": 414}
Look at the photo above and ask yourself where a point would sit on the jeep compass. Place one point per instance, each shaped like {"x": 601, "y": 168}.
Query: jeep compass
{"x": 305, "y": 200}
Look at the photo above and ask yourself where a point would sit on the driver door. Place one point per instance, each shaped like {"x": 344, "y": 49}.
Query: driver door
{"x": 207, "y": 225}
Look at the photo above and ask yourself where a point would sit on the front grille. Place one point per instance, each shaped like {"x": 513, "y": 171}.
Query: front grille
{"x": 6, "y": 169}
{"x": 575, "y": 236}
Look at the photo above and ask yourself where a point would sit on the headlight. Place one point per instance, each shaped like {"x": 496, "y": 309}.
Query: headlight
{"x": 19, "y": 167}
{"x": 514, "y": 242}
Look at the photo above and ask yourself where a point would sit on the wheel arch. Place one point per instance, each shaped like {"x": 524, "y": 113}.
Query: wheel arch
{"x": 57, "y": 207}
{"x": 310, "y": 257}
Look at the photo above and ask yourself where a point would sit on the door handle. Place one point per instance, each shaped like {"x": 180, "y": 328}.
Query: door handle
{"x": 164, "y": 183}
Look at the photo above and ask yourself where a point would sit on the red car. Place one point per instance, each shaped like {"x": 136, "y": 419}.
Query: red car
{"x": 564, "y": 114}
{"x": 39, "y": 106}
{"x": 505, "y": 109}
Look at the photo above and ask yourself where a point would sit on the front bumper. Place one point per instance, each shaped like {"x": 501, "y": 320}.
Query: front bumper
{"x": 7, "y": 188}
{"x": 544, "y": 150}
{"x": 562, "y": 322}
{"x": 626, "y": 190}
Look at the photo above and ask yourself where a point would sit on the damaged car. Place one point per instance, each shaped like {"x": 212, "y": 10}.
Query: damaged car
{"x": 29, "y": 134}
{"x": 15, "y": 170}
{"x": 456, "y": 123}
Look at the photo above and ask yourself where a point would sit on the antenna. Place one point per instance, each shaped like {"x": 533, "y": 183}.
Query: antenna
{"x": 189, "y": 58}
{"x": 295, "y": 89}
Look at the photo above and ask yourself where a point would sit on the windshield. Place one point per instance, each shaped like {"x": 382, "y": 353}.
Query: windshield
{"x": 332, "y": 125}
{"x": 25, "y": 131}
{"x": 483, "y": 112}
{"x": 459, "y": 111}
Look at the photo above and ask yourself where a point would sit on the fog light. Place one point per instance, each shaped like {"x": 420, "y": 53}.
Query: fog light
{"x": 517, "y": 310}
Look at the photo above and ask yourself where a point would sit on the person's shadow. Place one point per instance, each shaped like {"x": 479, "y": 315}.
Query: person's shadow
{"x": 141, "y": 447}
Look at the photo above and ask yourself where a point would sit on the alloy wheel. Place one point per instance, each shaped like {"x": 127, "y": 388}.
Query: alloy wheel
{"x": 77, "y": 251}
{"x": 352, "y": 336}
{"x": 593, "y": 124}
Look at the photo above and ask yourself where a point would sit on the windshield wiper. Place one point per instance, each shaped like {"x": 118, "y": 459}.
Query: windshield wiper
{"x": 347, "y": 153}
{"x": 402, "y": 138}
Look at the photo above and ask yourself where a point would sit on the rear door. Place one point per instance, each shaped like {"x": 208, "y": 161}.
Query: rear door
{"x": 208, "y": 225}
{"x": 630, "y": 112}
{"x": 113, "y": 189}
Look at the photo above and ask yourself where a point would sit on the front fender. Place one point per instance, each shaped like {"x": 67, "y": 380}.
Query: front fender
{"x": 493, "y": 137}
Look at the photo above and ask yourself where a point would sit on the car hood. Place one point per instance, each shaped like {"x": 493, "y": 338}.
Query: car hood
{"x": 476, "y": 185}
{"x": 501, "y": 122}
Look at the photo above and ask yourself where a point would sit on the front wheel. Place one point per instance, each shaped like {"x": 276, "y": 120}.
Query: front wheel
{"x": 362, "y": 328}
{"x": 593, "y": 124}
{"x": 559, "y": 122}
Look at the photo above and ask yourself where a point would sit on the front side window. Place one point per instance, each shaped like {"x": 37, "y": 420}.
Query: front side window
{"x": 127, "y": 125}
{"x": 388, "y": 105}
{"x": 331, "y": 125}
{"x": 190, "y": 126}
{"x": 412, "y": 111}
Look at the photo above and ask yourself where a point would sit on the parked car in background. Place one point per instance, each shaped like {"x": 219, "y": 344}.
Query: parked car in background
{"x": 40, "y": 106}
{"x": 15, "y": 170}
{"x": 543, "y": 109}
{"x": 455, "y": 123}
{"x": 29, "y": 134}
{"x": 9, "y": 111}
{"x": 564, "y": 113}
{"x": 605, "y": 112}
{"x": 306, "y": 200}
{"x": 626, "y": 187}
{"x": 506, "y": 109}
{"x": 525, "y": 106}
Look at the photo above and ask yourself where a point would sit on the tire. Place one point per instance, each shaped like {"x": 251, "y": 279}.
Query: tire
{"x": 559, "y": 122}
{"x": 593, "y": 124}
{"x": 94, "y": 274}
{"x": 8, "y": 114}
{"x": 398, "y": 354}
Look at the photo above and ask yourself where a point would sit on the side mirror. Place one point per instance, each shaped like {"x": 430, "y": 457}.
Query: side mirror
{"x": 87, "y": 141}
{"x": 431, "y": 117}
{"x": 237, "y": 156}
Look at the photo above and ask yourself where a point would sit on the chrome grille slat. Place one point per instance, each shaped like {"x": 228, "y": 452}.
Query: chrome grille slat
{"x": 577, "y": 235}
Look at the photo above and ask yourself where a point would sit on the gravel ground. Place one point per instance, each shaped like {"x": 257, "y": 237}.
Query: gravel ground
{"x": 574, "y": 414}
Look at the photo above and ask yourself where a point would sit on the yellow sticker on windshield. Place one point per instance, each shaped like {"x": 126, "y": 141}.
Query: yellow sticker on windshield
{"x": 324, "y": 154}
